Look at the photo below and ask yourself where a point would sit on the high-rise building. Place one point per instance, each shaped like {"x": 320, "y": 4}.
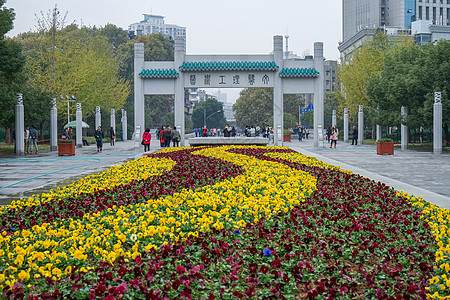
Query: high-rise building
{"x": 330, "y": 76}
{"x": 155, "y": 24}
{"x": 362, "y": 18}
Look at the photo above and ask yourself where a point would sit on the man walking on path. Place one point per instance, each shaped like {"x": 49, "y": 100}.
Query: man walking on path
{"x": 27, "y": 139}
{"x": 99, "y": 138}
{"x": 355, "y": 136}
{"x": 33, "y": 139}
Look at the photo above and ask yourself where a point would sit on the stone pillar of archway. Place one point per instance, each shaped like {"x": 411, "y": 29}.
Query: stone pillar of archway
{"x": 278, "y": 92}
{"x": 180, "y": 54}
{"x": 318, "y": 92}
{"x": 139, "y": 108}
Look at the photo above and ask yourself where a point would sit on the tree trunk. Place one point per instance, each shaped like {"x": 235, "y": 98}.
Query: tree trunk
{"x": 374, "y": 131}
{"x": 8, "y": 136}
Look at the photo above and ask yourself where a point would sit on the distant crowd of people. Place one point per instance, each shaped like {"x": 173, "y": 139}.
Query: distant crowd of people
{"x": 230, "y": 131}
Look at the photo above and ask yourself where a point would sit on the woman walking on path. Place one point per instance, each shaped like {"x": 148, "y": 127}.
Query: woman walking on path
{"x": 161, "y": 137}
{"x": 146, "y": 138}
{"x": 113, "y": 136}
{"x": 99, "y": 138}
{"x": 334, "y": 136}
{"x": 176, "y": 137}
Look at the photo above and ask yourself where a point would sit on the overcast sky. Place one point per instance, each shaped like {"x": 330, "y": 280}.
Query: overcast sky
{"x": 212, "y": 26}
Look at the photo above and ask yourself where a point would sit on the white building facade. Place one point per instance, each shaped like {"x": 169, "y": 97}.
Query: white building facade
{"x": 155, "y": 24}
{"x": 362, "y": 18}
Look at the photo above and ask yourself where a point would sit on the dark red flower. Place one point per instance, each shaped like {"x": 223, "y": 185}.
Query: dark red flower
{"x": 264, "y": 269}
{"x": 276, "y": 264}
{"x": 181, "y": 270}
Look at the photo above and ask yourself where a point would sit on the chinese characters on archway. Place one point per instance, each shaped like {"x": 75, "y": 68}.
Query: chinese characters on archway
{"x": 230, "y": 80}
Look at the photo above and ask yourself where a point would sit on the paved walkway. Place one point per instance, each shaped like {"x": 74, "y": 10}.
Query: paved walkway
{"x": 23, "y": 176}
{"x": 418, "y": 173}
{"x": 415, "y": 172}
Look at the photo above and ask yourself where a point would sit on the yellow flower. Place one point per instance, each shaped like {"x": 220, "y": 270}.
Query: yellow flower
{"x": 68, "y": 270}
{"x": 23, "y": 275}
{"x": 79, "y": 255}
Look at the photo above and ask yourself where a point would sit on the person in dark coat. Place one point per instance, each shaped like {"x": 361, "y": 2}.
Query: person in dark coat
{"x": 113, "y": 136}
{"x": 99, "y": 138}
{"x": 227, "y": 131}
{"x": 167, "y": 136}
{"x": 355, "y": 136}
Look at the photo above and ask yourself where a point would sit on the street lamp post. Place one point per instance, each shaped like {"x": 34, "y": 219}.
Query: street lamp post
{"x": 206, "y": 118}
{"x": 68, "y": 100}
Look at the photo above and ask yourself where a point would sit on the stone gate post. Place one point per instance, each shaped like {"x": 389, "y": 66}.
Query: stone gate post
{"x": 404, "y": 128}
{"x": 139, "y": 108}
{"x": 278, "y": 125}
{"x": 20, "y": 126}
{"x": 437, "y": 124}
{"x": 360, "y": 125}
{"x": 79, "y": 126}
{"x": 179, "y": 56}
{"x": 345, "y": 125}
{"x": 54, "y": 127}
{"x": 318, "y": 91}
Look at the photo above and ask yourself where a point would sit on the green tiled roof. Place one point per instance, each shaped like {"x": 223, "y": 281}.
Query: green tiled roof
{"x": 299, "y": 72}
{"x": 159, "y": 73}
{"x": 229, "y": 66}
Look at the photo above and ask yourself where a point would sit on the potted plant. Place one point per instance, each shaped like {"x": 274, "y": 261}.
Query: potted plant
{"x": 66, "y": 147}
{"x": 385, "y": 146}
{"x": 287, "y": 135}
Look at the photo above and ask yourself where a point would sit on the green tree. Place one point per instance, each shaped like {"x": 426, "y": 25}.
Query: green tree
{"x": 330, "y": 103}
{"x": 74, "y": 61}
{"x": 409, "y": 78}
{"x": 213, "y": 110}
{"x": 11, "y": 68}
{"x": 254, "y": 107}
{"x": 115, "y": 35}
{"x": 365, "y": 62}
{"x": 157, "y": 47}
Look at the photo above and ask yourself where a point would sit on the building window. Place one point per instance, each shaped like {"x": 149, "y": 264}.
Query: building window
{"x": 420, "y": 12}
{"x": 448, "y": 16}
{"x": 427, "y": 13}
{"x": 434, "y": 15}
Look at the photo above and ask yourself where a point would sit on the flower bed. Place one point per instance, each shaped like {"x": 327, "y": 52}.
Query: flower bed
{"x": 224, "y": 222}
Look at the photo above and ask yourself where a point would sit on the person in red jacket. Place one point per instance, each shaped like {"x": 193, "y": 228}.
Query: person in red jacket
{"x": 146, "y": 138}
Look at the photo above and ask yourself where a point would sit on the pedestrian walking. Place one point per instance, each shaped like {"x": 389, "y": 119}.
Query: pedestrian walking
{"x": 27, "y": 139}
{"x": 233, "y": 131}
{"x": 176, "y": 138}
{"x": 355, "y": 136}
{"x": 161, "y": 137}
{"x": 113, "y": 136}
{"x": 227, "y": 131}
{"x": 167, "y": 136}
{"x": 146, "y": 139}
{"x": 33, "y": 139}
{"x": 334, "y": 136}
{"x": 306, "y": 131}
{"x": 328, "y": 134}
{"x": 99, "y": 138}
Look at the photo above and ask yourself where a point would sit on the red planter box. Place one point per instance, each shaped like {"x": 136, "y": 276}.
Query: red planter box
{"x": 66, "y": 149}
{"x": 286, "y": 138}
{"x": 385, "y": 148}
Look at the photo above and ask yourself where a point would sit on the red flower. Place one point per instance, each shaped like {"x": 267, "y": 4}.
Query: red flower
{"x": 181, "y": 270}
{"x": 276, "y": 264}
{"x": 264, "y": 269}
{"x": 122, "y": 272}
{"x": 253, "y": 267}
